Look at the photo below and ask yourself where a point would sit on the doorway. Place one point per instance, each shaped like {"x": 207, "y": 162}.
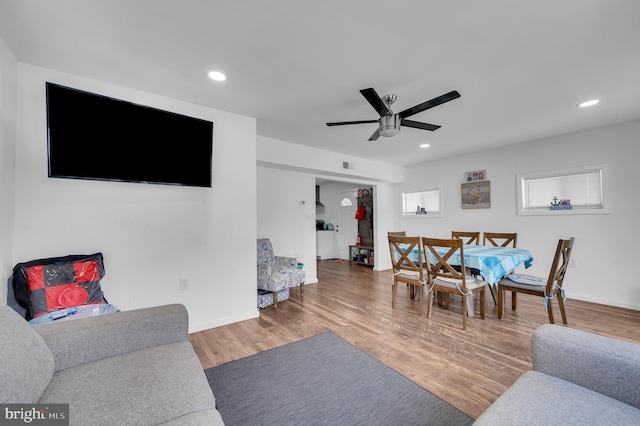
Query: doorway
{"x": 346, "y": 223}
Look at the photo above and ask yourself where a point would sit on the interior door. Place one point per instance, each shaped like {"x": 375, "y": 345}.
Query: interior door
{"x": 346, "y": 225}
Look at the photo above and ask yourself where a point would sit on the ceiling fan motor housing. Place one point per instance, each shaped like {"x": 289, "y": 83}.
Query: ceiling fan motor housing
{"x": 390, "y": 125}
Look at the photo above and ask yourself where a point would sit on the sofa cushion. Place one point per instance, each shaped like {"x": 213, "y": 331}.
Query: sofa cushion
{"x": 11, "y": 299}
{"x": 167, "y": 380}
{"x": 603, "y": 364}
{"x": 539, "y": 399}
{"x": 26, "y": 363}
{"x": 91, "y": 339}
{"x": 210, "y": 417}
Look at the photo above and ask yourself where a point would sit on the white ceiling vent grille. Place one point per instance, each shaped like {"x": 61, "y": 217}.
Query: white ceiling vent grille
{"x": 347, "y": 165}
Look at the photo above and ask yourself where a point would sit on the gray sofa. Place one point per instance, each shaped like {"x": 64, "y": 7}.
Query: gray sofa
{"x": 129, "y": 368}
{"x": 578, "y": 378}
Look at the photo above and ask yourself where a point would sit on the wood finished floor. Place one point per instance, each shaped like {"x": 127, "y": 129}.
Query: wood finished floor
{"x": 469, "y": 369}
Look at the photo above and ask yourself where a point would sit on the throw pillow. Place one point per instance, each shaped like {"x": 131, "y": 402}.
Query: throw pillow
{"x": 46, "y": 285}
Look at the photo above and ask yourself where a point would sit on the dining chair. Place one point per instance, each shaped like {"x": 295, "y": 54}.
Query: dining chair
{"x": 405, "y": 269}
{"x": 538, "y": 286}
{"x": 469, "y": 238}
{"x": 396, "y": 234}
{"x": 443, "y": 277}
{"x": 500, "y": 239}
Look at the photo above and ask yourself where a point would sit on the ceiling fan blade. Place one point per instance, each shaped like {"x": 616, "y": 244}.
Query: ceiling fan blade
{"x": 429, "y": 104}
{"x": 343, "y": 123}
{"x": 375, "y": 135}
{"x": 419, "y": 125}
{"x": 376, "y": 102}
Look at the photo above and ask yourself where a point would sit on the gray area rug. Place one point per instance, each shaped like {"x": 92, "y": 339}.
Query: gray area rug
{"x": 323, "y": 380}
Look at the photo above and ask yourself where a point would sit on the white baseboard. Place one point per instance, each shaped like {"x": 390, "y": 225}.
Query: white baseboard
{"x": 193, "y": 327}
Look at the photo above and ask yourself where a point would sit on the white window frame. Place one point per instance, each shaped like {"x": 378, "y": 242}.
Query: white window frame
{"x": 606, "y": 193}
{"x": 346, "y": 202}
{"x": 430, "y": 213}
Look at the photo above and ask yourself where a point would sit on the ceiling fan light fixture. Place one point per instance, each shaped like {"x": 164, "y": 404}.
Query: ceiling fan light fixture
{"x": 389, "y": 132}
{"x": 389, "y": 125}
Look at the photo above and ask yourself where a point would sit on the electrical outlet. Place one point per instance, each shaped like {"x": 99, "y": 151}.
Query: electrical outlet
{"x": 183, "y": 282}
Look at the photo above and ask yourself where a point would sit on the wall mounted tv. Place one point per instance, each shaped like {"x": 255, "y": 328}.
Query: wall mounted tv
{"x": 96, "y": 137}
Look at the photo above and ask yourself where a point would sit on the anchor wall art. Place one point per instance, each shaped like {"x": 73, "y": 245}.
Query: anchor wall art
{"x": 476, "y": 195}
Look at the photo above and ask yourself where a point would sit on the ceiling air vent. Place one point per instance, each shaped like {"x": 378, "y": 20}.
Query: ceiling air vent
{"x": 347, "y": 165}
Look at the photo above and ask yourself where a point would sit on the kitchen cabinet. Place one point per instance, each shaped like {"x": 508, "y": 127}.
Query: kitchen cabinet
{"x": 325, "y": 244}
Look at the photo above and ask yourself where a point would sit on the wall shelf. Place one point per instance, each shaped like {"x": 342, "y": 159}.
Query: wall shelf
{"x": 361, "y": 255}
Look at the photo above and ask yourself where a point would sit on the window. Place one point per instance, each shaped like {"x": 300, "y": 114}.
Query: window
{"x": 585, "y": 187}
{"x": 429, "y": 200}
{"x": 346, "y": 202}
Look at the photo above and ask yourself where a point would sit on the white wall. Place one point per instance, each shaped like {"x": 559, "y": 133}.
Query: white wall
{"x": 289, "y": 225}
{"x": 606, "y": 245}
{"x": 150, "y": 235}
{"x": 8, "y": 111}
{"x": 279, "y": 154}
{"x": 383, "y": 222}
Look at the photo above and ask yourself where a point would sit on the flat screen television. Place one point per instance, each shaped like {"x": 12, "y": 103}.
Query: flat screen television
{"x": 96, "y": 137}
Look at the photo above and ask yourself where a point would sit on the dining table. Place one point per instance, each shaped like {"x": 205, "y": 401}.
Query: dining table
{"x": 492, "y": 262}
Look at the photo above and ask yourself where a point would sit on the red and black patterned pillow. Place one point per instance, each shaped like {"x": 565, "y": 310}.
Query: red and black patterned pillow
{"x": 47, "y": 285}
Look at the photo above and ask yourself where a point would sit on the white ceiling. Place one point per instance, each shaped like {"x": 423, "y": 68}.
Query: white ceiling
{"x": 521, "y": 67}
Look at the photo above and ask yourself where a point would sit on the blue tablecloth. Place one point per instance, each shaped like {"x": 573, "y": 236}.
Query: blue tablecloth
{"x": 492, "y": 262}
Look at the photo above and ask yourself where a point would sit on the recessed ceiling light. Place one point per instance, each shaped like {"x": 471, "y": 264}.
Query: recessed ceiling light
{"x": 588, "y": 103}
{"x": 217, "y": 76}
{"x": 424, "y": 145}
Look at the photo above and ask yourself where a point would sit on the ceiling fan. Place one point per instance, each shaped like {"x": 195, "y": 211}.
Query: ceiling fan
{"x": 389, "y": 123}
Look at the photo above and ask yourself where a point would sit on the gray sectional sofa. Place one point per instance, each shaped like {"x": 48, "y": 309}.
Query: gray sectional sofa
{"x": 578, "y": 378}
{"x": 128, "y": 368}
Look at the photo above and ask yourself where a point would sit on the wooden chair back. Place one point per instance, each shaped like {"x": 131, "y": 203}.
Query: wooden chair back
{"x": 469, "y": 238}
{"x": 400, "y": 248}
{"x": 442, "y": 277}
{"x": 552, "y": 289}
{"x": 396, "y": 234}
{"x": 560, "y": 264}
{"x": 405, "y": 268}
{"x": 441, "y": 267}
{"x": 500, "y": 239}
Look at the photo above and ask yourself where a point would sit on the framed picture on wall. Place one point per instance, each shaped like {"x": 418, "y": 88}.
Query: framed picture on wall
{"x": 475, "y": 195}
{"x": 475, "y": 175}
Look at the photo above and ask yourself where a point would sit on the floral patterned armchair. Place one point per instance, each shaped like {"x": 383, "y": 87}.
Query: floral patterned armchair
{"x": 276, "y": 274}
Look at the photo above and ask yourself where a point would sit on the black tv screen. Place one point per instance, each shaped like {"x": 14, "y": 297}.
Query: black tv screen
{"x": 96, "y": 137}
